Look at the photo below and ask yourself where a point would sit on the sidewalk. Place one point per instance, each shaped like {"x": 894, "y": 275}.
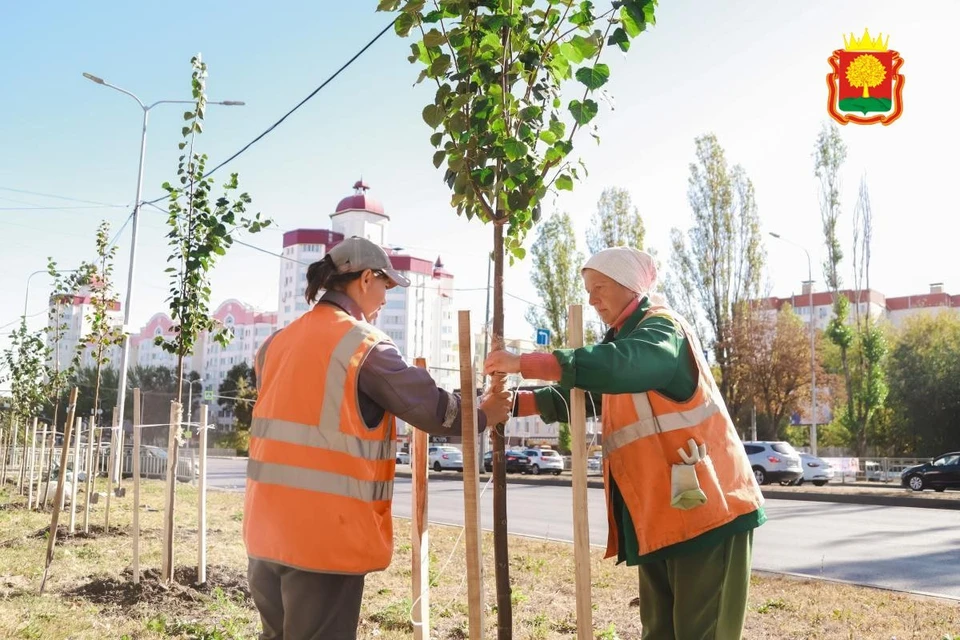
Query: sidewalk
{"x": 871, "y": 493}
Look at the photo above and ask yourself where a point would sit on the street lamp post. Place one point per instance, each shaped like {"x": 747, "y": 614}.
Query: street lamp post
{"x": 125, "y": 350}
{"x": 813, "y": 348}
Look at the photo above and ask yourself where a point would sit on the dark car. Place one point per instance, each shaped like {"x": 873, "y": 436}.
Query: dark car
{"x": 940, "y": 473}
{"x": 516, "y": 462}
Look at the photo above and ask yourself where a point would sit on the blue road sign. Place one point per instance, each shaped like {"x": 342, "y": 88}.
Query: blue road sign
{"x": 543, "y": 337}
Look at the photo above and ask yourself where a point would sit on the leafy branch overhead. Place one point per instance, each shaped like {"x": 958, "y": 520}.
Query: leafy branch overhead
{"x": 503, "y": 127}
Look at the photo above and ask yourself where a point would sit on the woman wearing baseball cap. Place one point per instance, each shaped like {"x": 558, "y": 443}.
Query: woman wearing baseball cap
{"x": 317, "y": 516}
{"x": 682, "y": 501}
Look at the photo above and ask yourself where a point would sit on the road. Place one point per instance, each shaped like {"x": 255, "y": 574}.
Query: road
{"x": 892, "y": 547}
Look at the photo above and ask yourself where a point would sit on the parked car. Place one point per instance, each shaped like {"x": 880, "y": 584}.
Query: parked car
{"x": 445, "y": 457}
{"x": 403, "y": 457}
{"x": 773, "y": 461}
{"x": 544, "y": 461}
{"x": 595, "y": 463}
{"x": 943, "y": 472}
{"x": 516, "y": 462}
{"x": 815, "y": 470}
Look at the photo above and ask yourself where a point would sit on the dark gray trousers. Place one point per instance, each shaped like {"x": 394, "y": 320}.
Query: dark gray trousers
{"x": 304, "y": 605}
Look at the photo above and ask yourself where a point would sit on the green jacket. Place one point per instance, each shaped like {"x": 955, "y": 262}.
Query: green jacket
{"x": 653, "y": 355}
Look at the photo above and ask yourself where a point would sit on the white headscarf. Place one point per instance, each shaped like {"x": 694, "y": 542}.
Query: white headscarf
{"x": 634, "y": 269}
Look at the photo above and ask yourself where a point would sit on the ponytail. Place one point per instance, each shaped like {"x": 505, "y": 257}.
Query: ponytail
{"x": 323, "y": 276}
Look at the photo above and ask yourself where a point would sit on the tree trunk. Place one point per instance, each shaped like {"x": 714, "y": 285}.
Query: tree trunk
{"x": 93, "y": 449}
{"x": 172, "y": 457}
{"x": 500, "y": 551}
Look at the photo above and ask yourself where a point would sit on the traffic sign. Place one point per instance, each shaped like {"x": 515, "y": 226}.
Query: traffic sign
{"x": 208, "y": 395}
{"x": 543, "y": 337}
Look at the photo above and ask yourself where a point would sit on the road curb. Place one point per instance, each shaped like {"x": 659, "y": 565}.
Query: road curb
{"x": 768, "y": 493}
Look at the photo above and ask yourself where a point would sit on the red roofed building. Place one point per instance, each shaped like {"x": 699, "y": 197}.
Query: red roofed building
{"x": 419, "y": 318}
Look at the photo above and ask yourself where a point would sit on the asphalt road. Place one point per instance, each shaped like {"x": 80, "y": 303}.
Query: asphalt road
{"x": 892, "y": 547}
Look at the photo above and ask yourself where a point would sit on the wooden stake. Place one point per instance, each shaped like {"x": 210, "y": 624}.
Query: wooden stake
{"x": 170, "y": 502}
{"x": 419, "y": 536}
{"x": 202, "y": 505}
{"x": 93, "y": 448}
{"x": 58, "y": 498}
{"x": 135, "y": 462}
{"x": 110, "y": 469}
{"x": 43, "y": 451}
{"x": 581, "y": 526}
{"x": 471, "y": 480}
{"x": 16, "y": 429}
{"x": 52, "y": 442}
{"x": 78, "y": 427}
{"x": 4, "y": 443}
{"x": 33, "y": 453}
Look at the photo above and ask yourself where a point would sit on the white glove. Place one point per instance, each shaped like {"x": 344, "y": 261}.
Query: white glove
{"x": 685, "y": 487}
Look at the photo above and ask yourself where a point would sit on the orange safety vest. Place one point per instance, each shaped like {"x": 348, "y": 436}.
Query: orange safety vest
{"x": 641, "y": 435}
{"x": 319, "y": 481}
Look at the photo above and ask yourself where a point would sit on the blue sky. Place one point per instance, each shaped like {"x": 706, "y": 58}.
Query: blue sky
{"x": 750, "y": 71}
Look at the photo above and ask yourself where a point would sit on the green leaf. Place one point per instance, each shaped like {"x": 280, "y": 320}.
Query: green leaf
{"x": 188, "y": 115}
{"x": 586, "y": 47}
{"x": 436, "y": 138}
{"x": 571, "y": 53}
{"x": 434, "y": 38}
{"x": 514, "y": 149}
{"x": 548, "y": 136}
{"x": 595, "y": 77}
{"x": 619, "y": 37}
{"x": 438, "y": 158}
{"x": 388, "y": 5}
{"x": 433, "y": 115}
{"x": 440, "y": 65}
{"x": 564, "y": 182}
{"x": 633, "y": 19}
{"x": 405, "y": 22}
{"x": 583, "y": 112}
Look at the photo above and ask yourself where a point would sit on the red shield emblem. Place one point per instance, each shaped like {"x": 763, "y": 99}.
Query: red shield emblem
{"x": 865, "y": 86}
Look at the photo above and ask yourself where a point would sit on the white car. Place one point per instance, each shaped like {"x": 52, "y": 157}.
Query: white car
{"x": 403, "y": 457}
{"x": 445, "y": 457}
{"x": 773, "y": 461}
{"x": 544, "y": 461}
{"x": 815, "y": 470}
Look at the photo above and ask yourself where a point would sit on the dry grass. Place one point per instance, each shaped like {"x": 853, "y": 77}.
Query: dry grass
{"x": 89, "y": 594}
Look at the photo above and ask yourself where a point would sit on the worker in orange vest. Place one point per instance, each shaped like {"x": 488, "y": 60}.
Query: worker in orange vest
{"x": 682, "y": 501}
{"x": 317, "y": 515}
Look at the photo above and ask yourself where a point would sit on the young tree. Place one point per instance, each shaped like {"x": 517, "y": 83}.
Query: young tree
{"x": 66, "y": 284}
{"x": 556, "y": 276}
{"x": 615, "y": 223}
{"x": 504, "y": 132}
{"x": 25, "y": 358}
{"x": 924, "y": 375}
{"x": 864, "y": 378}
{"x": 231, "y": 382}
{"x": 773, "y": 364}
{"x": 201, "y": 230}
{"x": 564, "y": 439}
{"x": 104, "y": 334}
{"x": 717, "y": 266}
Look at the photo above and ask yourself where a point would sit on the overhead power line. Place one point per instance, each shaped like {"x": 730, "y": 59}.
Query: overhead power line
{"x": 336, "y": 73}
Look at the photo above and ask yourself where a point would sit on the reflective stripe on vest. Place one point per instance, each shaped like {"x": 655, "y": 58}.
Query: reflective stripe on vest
{"x": 649, "y": 424}
{"x": 320, "y": 481}
{"x": 323, "y": 437}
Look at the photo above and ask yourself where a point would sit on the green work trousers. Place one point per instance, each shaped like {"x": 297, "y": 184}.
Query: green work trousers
{"x": 699, "y": 596}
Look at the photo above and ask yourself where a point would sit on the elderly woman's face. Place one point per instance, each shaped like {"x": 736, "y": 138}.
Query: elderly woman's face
{"x": 608, "y": 297}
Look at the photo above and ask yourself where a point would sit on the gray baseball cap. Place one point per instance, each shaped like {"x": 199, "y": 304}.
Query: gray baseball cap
{"x": 359, "y": 254}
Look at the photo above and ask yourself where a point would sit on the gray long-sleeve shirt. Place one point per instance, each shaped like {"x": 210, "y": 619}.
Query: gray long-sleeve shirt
{"x": 387, "y": 383}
